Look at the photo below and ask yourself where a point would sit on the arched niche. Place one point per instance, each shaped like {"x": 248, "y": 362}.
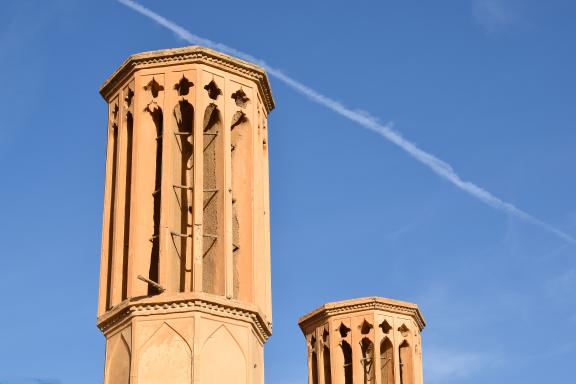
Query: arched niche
{"x": 314, "y": 363}
{"x": 223, "y": 360}
{"x": 406, "y": 363}
{"x": 367, "y": 348}
{"x": 386, "y": 362}
{"x": 118, "y": 362}
{"x": 241, "y": 148}
{"x": 327, "y": 365}
{"x": 183, "y": 164}
{"x": 347, "y": 359}
{"x": 165, "y": 358}
{"x": 213, "y": 220}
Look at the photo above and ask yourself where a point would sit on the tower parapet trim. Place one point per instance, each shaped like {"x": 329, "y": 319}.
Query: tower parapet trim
{"x": 364, "y": 303}
{"x": 122, "y": 314}
{"x": 189, "y": 55}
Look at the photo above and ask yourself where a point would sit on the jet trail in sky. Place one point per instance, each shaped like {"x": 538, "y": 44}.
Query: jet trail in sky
{"x": 364, "y": 119}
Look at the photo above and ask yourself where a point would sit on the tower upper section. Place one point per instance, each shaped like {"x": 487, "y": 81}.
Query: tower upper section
{"x": 370, "y": 340}
{"x": 186, "y": 197}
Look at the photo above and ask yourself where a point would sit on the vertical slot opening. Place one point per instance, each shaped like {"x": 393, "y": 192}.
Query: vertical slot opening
{"x": 314, "y": 363}
{"x": 114, "y": 139}
{"x": 157, "y": 117}
{"x": 127, "y": 202}
{"x": 347, "y": 354}
{"x": 327, "y": 371}
{"x": 184, "y": 115}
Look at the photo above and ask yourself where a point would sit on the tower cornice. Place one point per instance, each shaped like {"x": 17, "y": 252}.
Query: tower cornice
{"x": 189, "y": 55}
{"x": 190, "y": 302}
{"x": 365, "y": 303}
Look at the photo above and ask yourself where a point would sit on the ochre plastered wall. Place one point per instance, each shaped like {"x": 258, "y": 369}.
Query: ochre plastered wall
{"x": 186, "y": 206}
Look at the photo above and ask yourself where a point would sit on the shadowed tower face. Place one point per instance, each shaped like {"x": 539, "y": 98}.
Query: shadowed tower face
{"x": 185, "y": 269}
{"x": 364, "y": 341}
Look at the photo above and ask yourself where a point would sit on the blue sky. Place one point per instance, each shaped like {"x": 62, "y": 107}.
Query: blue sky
{"x": 485, "y": 85}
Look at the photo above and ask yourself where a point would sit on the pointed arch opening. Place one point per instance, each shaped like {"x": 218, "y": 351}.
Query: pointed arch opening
{"x": 406, "y": 364}
{"x": 127, "y": 203}
{"x": 347, "y": 357}
{"x": 183, "y": 115}
{"x": 314, "y": 363}
{"x": 327, "y": 365}
{"x": 213, "y": 264}
{"x": 386, "y": 362}
{"x": 367, "y": 361}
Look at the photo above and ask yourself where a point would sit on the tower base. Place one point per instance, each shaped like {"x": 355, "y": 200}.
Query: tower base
{"x": 184, "y": 338}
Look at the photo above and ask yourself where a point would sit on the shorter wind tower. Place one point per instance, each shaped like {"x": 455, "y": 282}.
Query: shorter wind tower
{"x": 185, "y": 267}
{"x": 364, "y": 341}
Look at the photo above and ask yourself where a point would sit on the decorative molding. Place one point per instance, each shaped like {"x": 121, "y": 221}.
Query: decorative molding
{"x": 128, "y": 98}
{"x": 154, "y": 87}
{"x": 365, "y": 327}
{"x": 325, "y": 334}
{"x": 193, "y": 54}
{"x": 183, "y": 86}
{"x": 365, "y": 304}
{"x": 404, "y": 330}
{"x": 240, "y": 98}
{"x": 129, "y": 310}
{"x": 114, "y": 110}
{"x": 313, "y": 343}
{"x": 213, "y": 90}
{"x": 414, "y": 313}
{"x": 344, "y": 330}
{"x": 385, "y": 326}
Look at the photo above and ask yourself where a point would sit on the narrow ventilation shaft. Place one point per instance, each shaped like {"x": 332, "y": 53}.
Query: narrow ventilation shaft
{"x": 157, "y": 117}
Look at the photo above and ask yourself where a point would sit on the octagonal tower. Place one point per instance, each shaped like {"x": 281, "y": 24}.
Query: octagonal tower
{"x": 364, "y": 341}
{"x": 185, "y": 267}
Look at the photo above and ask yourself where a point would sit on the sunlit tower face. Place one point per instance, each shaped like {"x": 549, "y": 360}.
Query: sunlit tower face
{"x": 185, "y": 267}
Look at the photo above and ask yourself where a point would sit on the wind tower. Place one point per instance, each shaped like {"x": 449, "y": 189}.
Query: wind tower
{"x": 370, "y": 340}
{"x": 185, "y": 266}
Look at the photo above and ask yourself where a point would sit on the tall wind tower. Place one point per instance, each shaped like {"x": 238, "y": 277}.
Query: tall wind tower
{"x": 185, "y": 270}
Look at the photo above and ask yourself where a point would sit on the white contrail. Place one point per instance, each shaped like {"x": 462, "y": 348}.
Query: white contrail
{"x": 438, "y": 166}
